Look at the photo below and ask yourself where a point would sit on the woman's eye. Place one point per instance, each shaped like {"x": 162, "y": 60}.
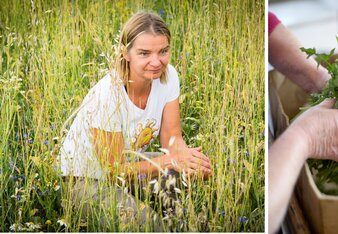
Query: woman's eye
{"x": 143, "y": 53}
{"x": 163, "y": 52}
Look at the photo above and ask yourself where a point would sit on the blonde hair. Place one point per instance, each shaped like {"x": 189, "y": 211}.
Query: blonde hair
{"x": 141, "y": 22}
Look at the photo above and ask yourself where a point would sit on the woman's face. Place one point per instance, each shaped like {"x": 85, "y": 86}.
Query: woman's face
{"x": 148, "y": 57}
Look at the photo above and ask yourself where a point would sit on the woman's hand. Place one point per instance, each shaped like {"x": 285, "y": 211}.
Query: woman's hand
{"x": 191, "y": 160}
{"x": 319, "y": 128}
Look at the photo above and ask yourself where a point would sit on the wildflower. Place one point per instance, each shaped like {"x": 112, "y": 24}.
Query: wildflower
{"x": 200, "y": 137}
{"x": 182, "y": 223}
{"x": 243, "y": 220}
{"x": 45, "y": 142}
{"x": 141, "y": 177}
{"x": 25, "y": 135}
{"x": 221, "y": 212}
{"x": 17, "y": 136}
{"x": 56, "y": 185}
{"x": 161, "y": 13}
{"x": 247, "y": 153}
{"x": 18, "y": 197}
{"x": 31, "y": 226}
{"x": 29, "y": 141}
{"x": 16, "y": 227}
{"x": 231, "y": 161}
{"x": 11, "y": 164}
{"x": 62, "y": 222}
{"x": 48, "y": 222}
{"x": 101, "y": 56}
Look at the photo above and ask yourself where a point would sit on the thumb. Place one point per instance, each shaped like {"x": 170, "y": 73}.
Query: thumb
{"x": 327, "y": 103}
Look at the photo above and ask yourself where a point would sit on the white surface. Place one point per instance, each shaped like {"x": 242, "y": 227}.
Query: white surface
{"x": 314, "y": 23}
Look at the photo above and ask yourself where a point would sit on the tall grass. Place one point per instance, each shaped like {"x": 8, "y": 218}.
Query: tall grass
{"x": 53, "y": 52}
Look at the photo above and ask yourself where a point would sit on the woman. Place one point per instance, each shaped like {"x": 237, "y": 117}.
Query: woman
{"x": 128, "y": 109}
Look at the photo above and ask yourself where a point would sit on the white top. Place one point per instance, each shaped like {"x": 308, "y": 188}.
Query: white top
{"x": 108, "y": 107}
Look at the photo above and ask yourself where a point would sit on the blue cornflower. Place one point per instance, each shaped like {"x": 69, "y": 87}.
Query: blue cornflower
{"x": 11, "y": 164}
{"x": 45, "y": 142}
{"x": 161, "y": 13}
{"x": 29, "y": 141}
{"x": 25, "y": 135}
{"x": 247, "y": 153}
{"x": 23, "y": 177}
{"x": 18, "y": 197}
{"x": 17, "y": 136}
{"x": 243, "y": 220}
{"x": 141, "y": 177}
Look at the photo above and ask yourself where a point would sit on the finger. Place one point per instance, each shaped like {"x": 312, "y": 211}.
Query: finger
{"x": 190, "y": 172}
{"x": 205, "y": 176}
{"x": 199, "y": 165}
{"x": 327, "y": 103}
{"x": 204, "y": 171}
{"x": 200, "y": 155}
{"x": 199, "y": 148}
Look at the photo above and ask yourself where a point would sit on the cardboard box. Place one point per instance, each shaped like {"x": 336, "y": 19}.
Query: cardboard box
{"x": 320, "y": 210}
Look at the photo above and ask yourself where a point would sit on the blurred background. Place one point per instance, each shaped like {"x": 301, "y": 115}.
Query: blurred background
{"x": 314, "y": 22}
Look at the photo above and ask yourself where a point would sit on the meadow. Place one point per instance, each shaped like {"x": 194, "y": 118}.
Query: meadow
{"x": 53, "y": 52}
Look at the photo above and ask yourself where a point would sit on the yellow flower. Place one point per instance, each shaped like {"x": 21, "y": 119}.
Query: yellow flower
{"x": 48, "y": 222}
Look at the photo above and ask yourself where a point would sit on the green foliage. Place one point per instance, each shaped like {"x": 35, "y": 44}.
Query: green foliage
{"x": 331, "y": 88}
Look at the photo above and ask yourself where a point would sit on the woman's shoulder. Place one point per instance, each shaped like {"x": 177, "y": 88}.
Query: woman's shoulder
{"x": 106, "y": 87}
{"x": 171, "y": 69}
{"x": 108, "y": 83}
{"x": 172, "y": 76}
{"x": 111, "y": 80}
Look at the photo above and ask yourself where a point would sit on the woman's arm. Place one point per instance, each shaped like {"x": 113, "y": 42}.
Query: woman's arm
{"x": 313, "y": 134}
{"x": 285, "y": 55}
{"x": 192, "y": 160}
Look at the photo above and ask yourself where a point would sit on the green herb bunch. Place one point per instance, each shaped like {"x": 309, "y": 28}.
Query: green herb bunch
{"x": 325, "y": 172}
{"x": 324, "y": 59}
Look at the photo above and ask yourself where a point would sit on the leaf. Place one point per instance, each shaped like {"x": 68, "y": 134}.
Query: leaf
{"x": 309, "y": 51}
